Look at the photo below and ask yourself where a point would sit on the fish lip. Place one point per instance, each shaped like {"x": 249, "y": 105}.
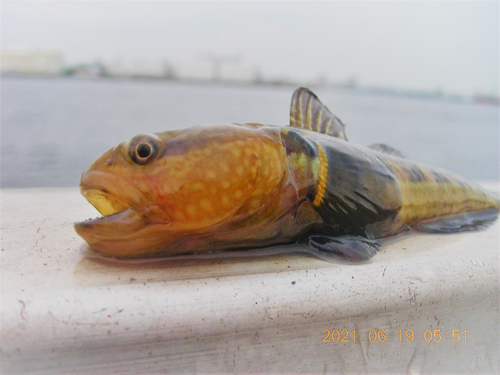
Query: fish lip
{"x": 110, "y": 183}
{"x": 97, "y": 220}
{"x": 112, "y": 226}
{"x": 109, "y": 234}
{"x": 125, "y": 234}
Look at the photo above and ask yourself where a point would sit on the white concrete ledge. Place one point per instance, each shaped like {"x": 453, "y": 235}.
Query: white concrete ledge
{"x": 64, "y": 310}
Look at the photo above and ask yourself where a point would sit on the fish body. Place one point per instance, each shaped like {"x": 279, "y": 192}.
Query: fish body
{"x": 233, "y": 186}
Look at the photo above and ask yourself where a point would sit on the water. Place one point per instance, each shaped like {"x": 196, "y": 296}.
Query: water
{"x": 52, "y": 129}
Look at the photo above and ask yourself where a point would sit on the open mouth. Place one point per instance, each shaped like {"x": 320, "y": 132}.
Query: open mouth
{"x": 119, "y": 211}
{"x": 118, "y": 219}
{"x": 105, "y": 203}
{"x": 109, "y": 193}
{"x": 129, "y": 225}
{"x": 123, "y": 231}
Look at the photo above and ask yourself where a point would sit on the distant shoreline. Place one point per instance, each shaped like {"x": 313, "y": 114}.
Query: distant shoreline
{"x": 384, "y": 91}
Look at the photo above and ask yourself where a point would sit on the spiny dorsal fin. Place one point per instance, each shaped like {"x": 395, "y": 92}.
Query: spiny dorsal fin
{"x": 381, "y": 147}
{"x": 307, "y": 112}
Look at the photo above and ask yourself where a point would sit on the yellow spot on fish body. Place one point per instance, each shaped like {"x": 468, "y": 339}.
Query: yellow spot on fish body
{"x": 238, "y": 194}
{"x": 178, "y": 215}
{"x": 211, "y": 175}
{"x": 236, "y": 151}
{"x": 265, "y": 170}
{"x": 206, "y": 205}
{"x": 198, "y": 186}
{"x": 258, "y": 192}
{"x": 191, "y": 210}
{"x": 239, "y": 170}
{"x": 247, "y": 162}
{"x": 223, "y": 166}
{"x": 225, "y": 184}
{"x": 254, "y": 203}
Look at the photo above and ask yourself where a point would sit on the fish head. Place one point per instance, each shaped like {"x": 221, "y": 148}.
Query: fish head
{"x": 155, "y": 190}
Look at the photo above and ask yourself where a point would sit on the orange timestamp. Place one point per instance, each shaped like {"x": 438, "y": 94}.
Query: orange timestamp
{"x": 374, "y": 335}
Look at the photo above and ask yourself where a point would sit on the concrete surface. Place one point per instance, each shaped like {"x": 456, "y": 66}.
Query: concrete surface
{"x": 63, "y": 310}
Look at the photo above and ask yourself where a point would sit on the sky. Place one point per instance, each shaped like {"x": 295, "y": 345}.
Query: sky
{"x": 452, "y": 46}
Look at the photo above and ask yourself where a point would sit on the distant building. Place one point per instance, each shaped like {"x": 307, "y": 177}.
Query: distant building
{"x": 197, "y": 70}
{"x": 25, "y": 61}
{"x": 487, "y": 99}
{"x": 92, "y": 70}
{"x": 218, "y": 69}
{"x": 139, "y": 68}
{"x": 241, "y": 73}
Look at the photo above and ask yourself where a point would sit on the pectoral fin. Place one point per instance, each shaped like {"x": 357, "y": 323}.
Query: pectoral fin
{"x": 352, "y": 248}
{"x": 469, "y": 221}
{"x": 307, "y": 112}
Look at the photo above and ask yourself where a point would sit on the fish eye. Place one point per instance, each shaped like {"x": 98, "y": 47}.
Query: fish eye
{"x": 143, "y": 149}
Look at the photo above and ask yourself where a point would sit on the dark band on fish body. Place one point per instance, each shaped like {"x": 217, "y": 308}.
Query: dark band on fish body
{"x": 353, "y": 202}
{"x": 415, "y": 174}
{"x": 439, "y": 177}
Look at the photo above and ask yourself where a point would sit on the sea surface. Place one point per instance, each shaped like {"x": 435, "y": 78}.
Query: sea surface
{"x": 52, "y": 129}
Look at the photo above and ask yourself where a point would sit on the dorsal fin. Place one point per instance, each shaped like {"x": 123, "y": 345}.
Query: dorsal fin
{"x": 307, "y": 112}
{"x": 381, "y": 147}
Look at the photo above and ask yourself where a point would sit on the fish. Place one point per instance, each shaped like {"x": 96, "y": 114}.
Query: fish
{"x": 245, "y": 186}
